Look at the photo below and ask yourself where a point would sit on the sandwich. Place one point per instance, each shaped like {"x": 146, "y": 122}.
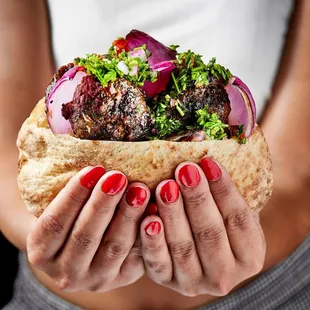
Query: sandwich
{"x": 142, "y": 108}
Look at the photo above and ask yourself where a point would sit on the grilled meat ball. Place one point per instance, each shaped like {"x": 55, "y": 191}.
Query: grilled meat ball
{"x": 213, "y": 95}
{"x": 116, "y": 112}
{"x": 193, "y": 99}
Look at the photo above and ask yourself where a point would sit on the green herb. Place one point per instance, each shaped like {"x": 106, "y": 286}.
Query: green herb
{"x": 218, "y": 71}
{"x": 164, "y": 124}
{"x": 105, "y": 67}
{"x": 192, "y": 71}
{"x": 175, "y": 82}
{"x": 174, "y": 47}
{"x": 212, "y": 125}
{"x": 179, "y": 110}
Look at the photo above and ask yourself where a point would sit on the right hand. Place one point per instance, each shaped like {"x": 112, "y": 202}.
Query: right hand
{"x": 85, "y": 239}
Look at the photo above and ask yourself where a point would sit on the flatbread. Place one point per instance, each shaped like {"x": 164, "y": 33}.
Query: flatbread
{"x": 48, "y": 161}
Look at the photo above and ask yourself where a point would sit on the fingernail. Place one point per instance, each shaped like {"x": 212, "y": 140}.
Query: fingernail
{"x": 90, "y": 179}
{"x": 113, "y": 184}
{"x": 189, "y": 176}
{"x": 210, "y": 169}
{"x": 136, "y": 196}
{"x": 169, "y": 192}
{"x": 151, "y": 209}
{"x": 153, "y": 228}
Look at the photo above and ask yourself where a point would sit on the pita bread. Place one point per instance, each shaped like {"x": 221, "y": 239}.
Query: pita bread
{"x": 48, "y": 161}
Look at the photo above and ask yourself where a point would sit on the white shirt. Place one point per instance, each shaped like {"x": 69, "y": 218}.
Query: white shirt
{"x": 246, "y": 36}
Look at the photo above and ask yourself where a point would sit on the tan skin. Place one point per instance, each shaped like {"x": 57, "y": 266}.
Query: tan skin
{"x": 285, "y": 220}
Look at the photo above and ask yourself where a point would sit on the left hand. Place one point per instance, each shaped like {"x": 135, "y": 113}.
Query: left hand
{"x": 206, "y": 239}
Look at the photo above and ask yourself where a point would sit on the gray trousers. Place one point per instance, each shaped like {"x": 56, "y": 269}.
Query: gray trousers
{"x": 284, "y": 287}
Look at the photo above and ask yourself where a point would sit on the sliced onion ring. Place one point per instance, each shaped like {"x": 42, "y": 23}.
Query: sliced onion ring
{"x": 243, "y": 110}
{"x": 62, "y": 93}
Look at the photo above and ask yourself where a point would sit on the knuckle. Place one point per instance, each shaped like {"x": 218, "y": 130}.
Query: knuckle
{"x": 190, "y": 292}
{"x": 198, "y": 200}
{"x": 158, "y": 268}
{"x": 238, "y": 219}
{"x": 222, "y": 190}
{"x": 182, "y": 250}
{"x": 37, "y": 258}
{"x": 128, "y": 218}
{"x": 220, "y": 287}
{"x": 74, "y": 196}
{"x": 194, "y": 288}
{"x": 211, "y": 235}
{"x": 101, "y": 209}
{"x": 83, "y": 241}
{"x": 151, "y": 248}
{"x": 115, "y": 249}
{"x": 65, "y": 283}
{"x": 255, "y": 266}
{"x": 52, "y": 223}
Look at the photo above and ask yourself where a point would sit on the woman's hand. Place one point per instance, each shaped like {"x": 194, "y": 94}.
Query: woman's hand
{"x": 85, "y": 239}
{"x": 206, "y": 240}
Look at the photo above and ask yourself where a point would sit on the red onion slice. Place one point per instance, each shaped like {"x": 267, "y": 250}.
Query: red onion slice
{"x": 62, "y": 94}
{"x": 163, "y": 66}
{"x": 158, "y": 61}
{"x": 247, "y": 92}
{"x": 160, "y": 52}
{"x": 243, "y": 110}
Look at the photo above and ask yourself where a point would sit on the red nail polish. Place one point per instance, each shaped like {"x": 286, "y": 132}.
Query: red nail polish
{"x": 151, "y": 209}
{"x": 210, "y": 169}
{"x": 90, "y": 179}
{"x": 189, "y": 176}
{"x": 153, "y": 228}
{"x": 113, "y": 184}
{"x": 136, "y": 196}
{"x": 169, "y": 192}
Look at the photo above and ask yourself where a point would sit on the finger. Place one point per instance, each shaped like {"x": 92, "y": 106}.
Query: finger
{"x": 133, "y": 266}
{"x": 123, "y": 230}
{"x": 155, "y": 251}
{"x": 243, "y": 229}
{"x": 181, "y": 245}
{"x": 52, "y": 228}
{"x": 205, "y": 219}
{"x": 94, "y": 219}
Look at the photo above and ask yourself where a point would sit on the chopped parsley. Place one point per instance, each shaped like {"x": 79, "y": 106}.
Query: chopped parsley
{"x": 164, "y": 124}
{"x": 192, "y": 71}
{"x": 211, "y": 124}
{"x": 107, "y": 68}
{"x": 219, "y": 71}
